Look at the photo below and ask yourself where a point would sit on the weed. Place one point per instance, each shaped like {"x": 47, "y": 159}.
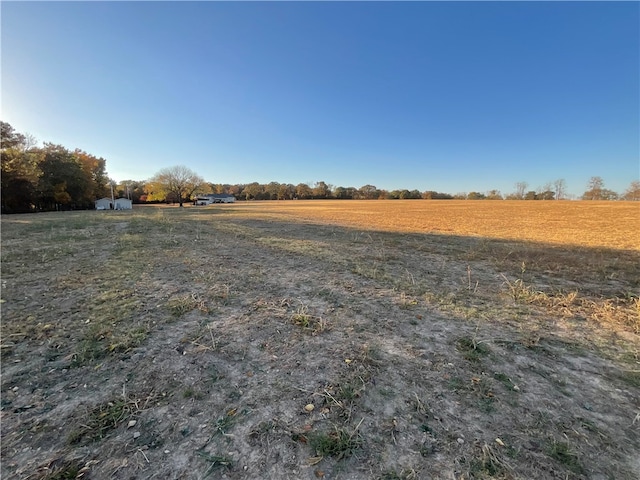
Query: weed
{"x": 101, "y": 420}
{"x": 561, "y": 452}
{"x": 307, "y": 322}
{"x": 215, "y": 461}
{"x": 224, "y": 423}
{"x": 472, "y": 350}
{"x": 339, "y": 443}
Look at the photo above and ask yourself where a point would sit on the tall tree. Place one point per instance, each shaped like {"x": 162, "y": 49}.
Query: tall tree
{"x": 176, "y": 183}
{"x": 20, "y": 170}
{"x": 560, "y": 189}
{"x": 633, "y": 192}
{"x": 521, "y": 188}
{"x": 595, "y": 189}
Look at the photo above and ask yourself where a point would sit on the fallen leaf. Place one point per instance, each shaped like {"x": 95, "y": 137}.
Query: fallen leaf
{"x": 314, "y": 460}
{"x": 499, "y": 442}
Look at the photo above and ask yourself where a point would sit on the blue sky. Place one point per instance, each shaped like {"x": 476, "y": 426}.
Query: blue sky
{"x": 446, "y": 96}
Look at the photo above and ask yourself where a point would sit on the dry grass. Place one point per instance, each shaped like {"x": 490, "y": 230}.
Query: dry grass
{"x": 588, "y": 224}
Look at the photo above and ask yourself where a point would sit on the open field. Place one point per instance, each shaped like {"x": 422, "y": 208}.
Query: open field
{"x": 334, "y": 340}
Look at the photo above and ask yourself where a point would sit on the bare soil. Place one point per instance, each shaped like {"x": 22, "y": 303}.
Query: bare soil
{"x": 212, "y": 343}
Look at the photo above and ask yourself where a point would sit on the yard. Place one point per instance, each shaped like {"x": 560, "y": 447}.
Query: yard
{"x": 323, "y": 339}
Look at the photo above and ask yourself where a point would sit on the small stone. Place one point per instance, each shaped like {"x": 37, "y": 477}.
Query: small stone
{"x": 136, "y": 434}
{"x": 14, "y": 389}
{"x": 309, "y": 407}
{"x": 460, "y": 441}
{"x": 167, "y": 451}
{"x": 131, "y": 423}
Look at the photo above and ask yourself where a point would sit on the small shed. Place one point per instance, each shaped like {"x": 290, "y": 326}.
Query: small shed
{"x": 104, "y": 204}
{"x": 123, "y": 204}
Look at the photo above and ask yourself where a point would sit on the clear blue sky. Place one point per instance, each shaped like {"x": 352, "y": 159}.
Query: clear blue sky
{"x": 449, "y": 96}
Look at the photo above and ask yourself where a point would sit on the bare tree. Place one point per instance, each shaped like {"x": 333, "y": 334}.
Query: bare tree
{"x": 521, "y": 188}
{"x": 594, "y": 189}
{"x": 560, "y": 188}
{"x": 177, "y": 182}
{"x": 633, "y": 192}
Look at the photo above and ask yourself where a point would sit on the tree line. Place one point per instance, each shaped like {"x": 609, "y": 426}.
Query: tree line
{"x": 50, "y": 177}
{"x": 53, "y": 177}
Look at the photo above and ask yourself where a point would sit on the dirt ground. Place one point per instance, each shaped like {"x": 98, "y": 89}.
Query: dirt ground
{"x": 206, "y": 343}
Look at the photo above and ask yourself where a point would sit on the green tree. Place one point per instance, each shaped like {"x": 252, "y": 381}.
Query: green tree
{"x": 63, "y": 183}
{"x": 20, "y": 162}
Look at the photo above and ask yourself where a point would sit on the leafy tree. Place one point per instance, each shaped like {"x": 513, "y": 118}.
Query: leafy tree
{"x": 271, "y": 191}
{"x": 494, "y": 195}
{"x": 476, "y": 196}
{"x": 176, "y": 184}
{"x": 63, "y": 182}
{"x": 368, "y": 192}
{"x": 633, "y": 192}
{"x": 344, "y": 192}
{"x": 546, "y": 195}
{"x": 20, "y": 170}
{"x": 321, "y": 190}
{"x": 303, "y": 191}
{"x": 531, "y": 195}
{"x": 286, "y": 192}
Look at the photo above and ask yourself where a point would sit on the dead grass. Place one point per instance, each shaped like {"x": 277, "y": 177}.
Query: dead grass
{"x": 481, "y": 351}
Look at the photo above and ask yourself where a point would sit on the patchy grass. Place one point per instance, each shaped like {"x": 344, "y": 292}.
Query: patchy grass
{"x": 339, "y": 443}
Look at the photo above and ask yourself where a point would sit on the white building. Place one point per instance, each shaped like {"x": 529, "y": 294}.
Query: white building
{"x": 210, "y": 198}
{"x": 104, "y": 204}
{"x": 123, "y": 204}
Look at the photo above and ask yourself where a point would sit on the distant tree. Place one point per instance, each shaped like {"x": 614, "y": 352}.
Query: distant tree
{"x": 546, "y": 195}
{"x": 432, "y": 195}
{"x": 344, "y": 192}
{"x": 494, "y": 195}
{"x": 271, "y": 191}
{"x": 531, "y": 195}
{"x": 560, "y": 189}
{"x": 633, "y": 192}
{"x": 176, "y": 183}
{"x": 252, "y": 191}
{"x": 521, "y": 188}
{"x": 132, "y": 189}
{"x": 368, "y": 192}
{"x": 476, "y": 196}
{"x": 595, "y": 189}
{"x": 303, "y": 191}
{"x": 321, "y": 190}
